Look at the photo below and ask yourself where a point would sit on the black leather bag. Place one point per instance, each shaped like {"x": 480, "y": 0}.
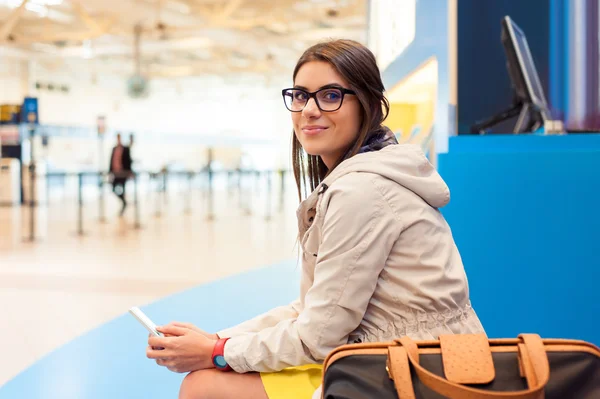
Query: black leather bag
{"x": 464, "y": 367}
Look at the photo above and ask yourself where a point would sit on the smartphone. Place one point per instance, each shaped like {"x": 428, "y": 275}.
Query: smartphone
{"x": 145, "y": 321}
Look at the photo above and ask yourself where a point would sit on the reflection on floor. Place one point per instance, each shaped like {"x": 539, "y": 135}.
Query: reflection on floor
{"x": 63, "y": 284}
{"x": 110, "y": 361}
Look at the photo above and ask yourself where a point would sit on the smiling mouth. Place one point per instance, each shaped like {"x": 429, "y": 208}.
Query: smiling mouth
{"x": 311, "y": 131}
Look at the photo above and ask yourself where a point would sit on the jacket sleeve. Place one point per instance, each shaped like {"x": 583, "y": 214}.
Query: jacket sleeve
{"x": 266, "y": 320}
{"x": 359, "y": 230}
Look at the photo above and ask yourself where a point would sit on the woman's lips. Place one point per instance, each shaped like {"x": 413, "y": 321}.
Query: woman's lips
{"x": 312, "y": 130}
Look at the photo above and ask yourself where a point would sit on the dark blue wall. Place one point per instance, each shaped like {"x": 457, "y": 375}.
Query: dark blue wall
{"x": 484, "y": 87}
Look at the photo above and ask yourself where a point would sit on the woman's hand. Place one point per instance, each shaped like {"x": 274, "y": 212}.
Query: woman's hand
{"x": 185, "y": 349}
{"x": 193, "y": 327}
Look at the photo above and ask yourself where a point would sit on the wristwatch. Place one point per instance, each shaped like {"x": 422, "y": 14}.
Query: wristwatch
{"x": 218, "y": 357}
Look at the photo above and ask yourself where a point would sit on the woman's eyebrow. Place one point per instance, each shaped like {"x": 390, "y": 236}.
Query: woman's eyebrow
{"x": 332, "y": 86}
{"x": 327, "y": 86}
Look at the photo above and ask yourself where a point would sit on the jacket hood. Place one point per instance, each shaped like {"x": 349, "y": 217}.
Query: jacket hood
{"x": 404, "y": 164}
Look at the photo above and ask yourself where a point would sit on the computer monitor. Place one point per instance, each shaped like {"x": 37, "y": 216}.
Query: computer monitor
{"x": 529, "y": 101}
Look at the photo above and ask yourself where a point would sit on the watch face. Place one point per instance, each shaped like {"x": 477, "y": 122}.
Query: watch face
{"x": 219, "y": 361}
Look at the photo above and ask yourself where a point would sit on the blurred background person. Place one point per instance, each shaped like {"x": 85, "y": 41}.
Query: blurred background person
{"x": 120, "y": 170}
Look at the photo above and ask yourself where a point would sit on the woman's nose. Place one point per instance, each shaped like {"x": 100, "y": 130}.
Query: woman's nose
{"x": 311, "y": 109}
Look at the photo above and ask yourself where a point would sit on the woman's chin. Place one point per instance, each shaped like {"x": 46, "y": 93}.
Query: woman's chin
{"x": 312, "y": 150}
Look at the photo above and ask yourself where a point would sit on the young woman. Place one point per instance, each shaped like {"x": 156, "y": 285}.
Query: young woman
{"x": 378, "y": 260}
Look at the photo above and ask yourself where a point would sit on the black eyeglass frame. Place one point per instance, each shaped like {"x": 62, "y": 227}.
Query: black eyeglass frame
{"x": 313, "y": 95}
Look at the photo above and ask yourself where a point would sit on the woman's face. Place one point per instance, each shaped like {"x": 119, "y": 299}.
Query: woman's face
{"x": 327, "y": 134}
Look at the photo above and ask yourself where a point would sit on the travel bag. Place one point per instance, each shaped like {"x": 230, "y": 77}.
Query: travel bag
{"x": 467, "y": 366}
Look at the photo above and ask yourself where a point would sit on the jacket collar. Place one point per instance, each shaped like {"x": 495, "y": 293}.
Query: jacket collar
{"x": 306, "y": 211}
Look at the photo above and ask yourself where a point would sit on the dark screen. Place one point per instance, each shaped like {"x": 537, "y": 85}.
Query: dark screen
{"x": 484, "y": 86}
{"x": 529, "y": 69}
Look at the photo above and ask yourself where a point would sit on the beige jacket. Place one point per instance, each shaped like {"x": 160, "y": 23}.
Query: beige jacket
{"x": 379, "y": 262}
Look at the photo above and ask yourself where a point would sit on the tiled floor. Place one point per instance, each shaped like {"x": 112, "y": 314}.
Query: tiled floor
{"x": 63, "y": 285}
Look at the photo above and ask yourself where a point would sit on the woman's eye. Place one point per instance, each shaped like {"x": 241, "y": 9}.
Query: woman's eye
{"x": 300, "y": 96}
{"x": 333, "y": 95}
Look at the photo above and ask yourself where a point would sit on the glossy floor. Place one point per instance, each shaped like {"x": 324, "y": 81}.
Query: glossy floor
{"x": 63, "y": 285}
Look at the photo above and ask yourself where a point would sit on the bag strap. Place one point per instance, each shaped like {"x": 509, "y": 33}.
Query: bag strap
{"x": 537, "y": 358}
{"x": 535, "y": 361}
{"x": 399, "y": 370}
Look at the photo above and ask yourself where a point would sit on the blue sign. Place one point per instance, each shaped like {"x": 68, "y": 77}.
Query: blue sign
{"x": 29, "y": 111}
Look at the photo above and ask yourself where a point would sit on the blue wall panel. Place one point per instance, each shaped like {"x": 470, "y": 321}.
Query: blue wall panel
{"x": 524, "y": 143}
{"x": 528, "y": 228}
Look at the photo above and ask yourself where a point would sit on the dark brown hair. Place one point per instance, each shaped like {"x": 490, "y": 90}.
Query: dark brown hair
{"x": 357, "y": 65}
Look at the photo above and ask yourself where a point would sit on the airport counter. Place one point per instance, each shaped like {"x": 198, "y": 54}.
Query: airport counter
{"x": 524, "y": 214}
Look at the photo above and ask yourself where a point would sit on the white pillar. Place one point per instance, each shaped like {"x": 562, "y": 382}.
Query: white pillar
{"x": 583, "y": 81}
{"x": 14, "y": 80}
{"x": 24, "y": 78}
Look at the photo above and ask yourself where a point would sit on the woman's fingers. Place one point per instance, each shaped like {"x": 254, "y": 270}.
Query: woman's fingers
{"x": 193, "y": 328}
{"x": 171, "y": 365}
{"x": 184, "y": 325}
{"x": 173, "y": 330}
{"x": 164, "y": 362}
{"x": 160, "y": 342}
{"x": 152, "y": 353}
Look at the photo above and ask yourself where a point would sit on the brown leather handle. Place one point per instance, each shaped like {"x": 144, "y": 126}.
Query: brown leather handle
{"x": 534, "y": 358}
{"x": 399, "y": 370}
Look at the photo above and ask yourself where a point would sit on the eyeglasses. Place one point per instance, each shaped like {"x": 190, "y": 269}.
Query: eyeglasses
{"x": 328, "y": 99}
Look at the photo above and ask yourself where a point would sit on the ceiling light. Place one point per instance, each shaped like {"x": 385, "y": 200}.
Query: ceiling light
{"x": 47, "y": 2}
{"x": 41, "y": 10}
{"x": 39, "y": 7}
{"x": 43, "y": 3}
{"x": 88, "y": 50}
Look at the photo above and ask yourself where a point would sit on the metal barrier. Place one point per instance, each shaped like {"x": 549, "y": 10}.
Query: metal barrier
{"x": 245, "y": 197}
{"x": 32, "y": 200}
{"x": 101, "y": 205}
{"x": 137, "y": 224}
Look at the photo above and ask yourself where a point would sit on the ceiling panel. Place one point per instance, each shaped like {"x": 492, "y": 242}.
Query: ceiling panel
{"x": 179, "y": 37}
